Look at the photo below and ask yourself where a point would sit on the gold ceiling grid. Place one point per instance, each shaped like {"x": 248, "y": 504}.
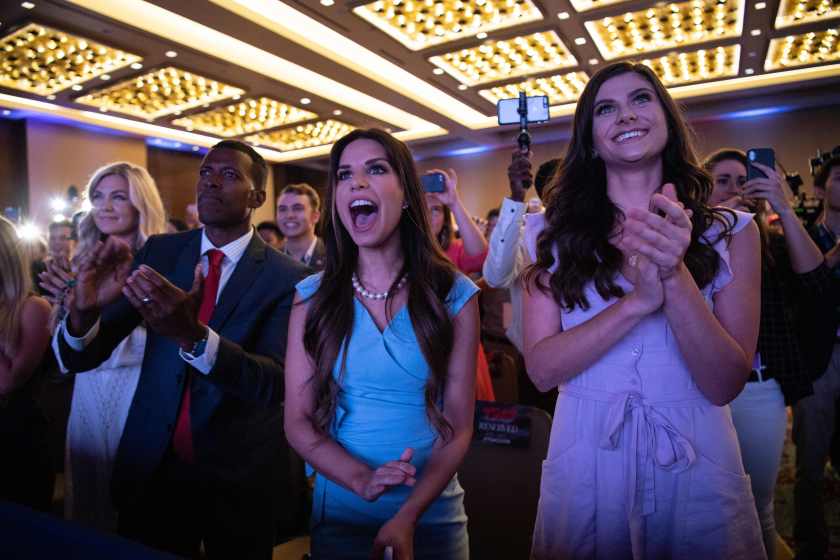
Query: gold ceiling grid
{"x": 419, "y": 24}
{"x": 700, "y": 65}
{"x": 306, "y": 135}
{"x": 804, "y": 49}
{"x": 42, "y": 60}
{"x": 502, "y": 59}
{"x": 560, "y": 88}
{"x": 159, "y": 93}
{"x": 246, "y": 117}
{"x": 797, "y": 12}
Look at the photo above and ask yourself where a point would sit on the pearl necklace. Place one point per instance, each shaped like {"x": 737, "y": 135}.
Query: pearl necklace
{"x": 374, "y": 295}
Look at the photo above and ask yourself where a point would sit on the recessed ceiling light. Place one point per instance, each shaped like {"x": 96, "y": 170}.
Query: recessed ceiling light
{"x": 236, "y": 97}
{"x": 27, "y": 5}
{"x": 195, "y": 148}
{"x": 6, "y": 112}
{"x": 76, "y": 87}
{"x": 388, "y": 130}
{"x": 760, "y": 5}
{"x": 136, "y": 66}
{"x": 749, "y": 71}
{"x": 593, "y": 61}
{"x": 171, "y": 54}
{"x": 462, "y": 87}
{"x": 580, "y": 41}
{"x": 753, "y": 54}
{"x": 206, "y": 105}
{"x": 103, "y": 109}
{"x": 105, "y": 77}
{"x": 305, "y": 101}
{"x": 327, "y": 2}
{"x": 755, "y": 32}
{"x": 437, "y": 71}
{"x": 51, "y": 97}
{"x": 481, "y": 36}
{"x": 337, "y": 112}
{"x": 177, "y": 113}
{"x": 564, "y": 15}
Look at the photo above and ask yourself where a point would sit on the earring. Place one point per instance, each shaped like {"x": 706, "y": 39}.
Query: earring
{"x": 405, "y": 206}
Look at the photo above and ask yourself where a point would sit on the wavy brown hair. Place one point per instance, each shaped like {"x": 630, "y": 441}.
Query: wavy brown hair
{"x": 581, "y": 218}
{"x": 329, "y": 320}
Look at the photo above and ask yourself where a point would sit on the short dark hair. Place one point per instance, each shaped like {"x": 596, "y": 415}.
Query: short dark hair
{"x": 259, "y": 168}
{"x": 493, "y": 213}
{"x": 821, "y": 177}
{"x": 270, "y": 226}
{"x": 63, "y": 224}
{"x": 304, "y": 189}
{"x": 544, "y": 174}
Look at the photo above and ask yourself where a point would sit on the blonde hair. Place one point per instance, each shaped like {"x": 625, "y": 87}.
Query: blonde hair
{"x": 143, "y": 194}
{"x": 15, "y": 285}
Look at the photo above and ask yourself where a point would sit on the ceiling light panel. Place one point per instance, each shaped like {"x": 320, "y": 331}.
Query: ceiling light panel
{"x": 560, "y": 88}
{"x": 246, "y": 117}
{"x": 42, "y": 60}
{"x": 696, "y": 66}
{"x": 498, "y": 60}
{"x": 420, "y": 24}
{"x": 796, "y": 12}
{"x": 302, "y": 136}
{"x": 158, "y": 93}
{"x": 585, "y": 5}
{"x": 666, "y": 26}
{"x": 804, "y": 49}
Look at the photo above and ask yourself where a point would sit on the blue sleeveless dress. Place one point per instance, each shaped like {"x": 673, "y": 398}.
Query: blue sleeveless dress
{"x": 381, "y": 411}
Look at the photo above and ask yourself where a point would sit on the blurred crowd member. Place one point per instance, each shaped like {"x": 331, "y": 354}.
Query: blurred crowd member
{"x": 26, "y": 472}
{"x": 174, "y": 225}
{"x": 298, "y": 212}
{"x": 202, "y": 459}
{"x": 126, "y": 206}
{"x": 191, "y": 216}
{"x": 795, "y": 284}
{"x": 641, "y": 308}
{"x": 490, "y": 222}
{"x": 62, "y": 240}
{"x": 271, "y": 234}
{"x": 814, "y": 416}
{"x": 380, "y": 362}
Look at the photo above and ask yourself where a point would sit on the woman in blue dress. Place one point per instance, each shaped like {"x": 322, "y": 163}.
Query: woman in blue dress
{"x": 380, "y": 366}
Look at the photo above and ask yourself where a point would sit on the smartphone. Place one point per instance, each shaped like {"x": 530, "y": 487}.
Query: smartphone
{"x": 764, "y": 156}
{"x": 536, "y": 110}
{"x": 433, "y": 182}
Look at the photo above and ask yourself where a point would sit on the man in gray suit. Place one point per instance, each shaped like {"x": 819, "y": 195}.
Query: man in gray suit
{"x": 203, "y": 455}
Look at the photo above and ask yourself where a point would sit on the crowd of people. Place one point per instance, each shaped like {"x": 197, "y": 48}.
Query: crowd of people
{"x": 643, "y": 298}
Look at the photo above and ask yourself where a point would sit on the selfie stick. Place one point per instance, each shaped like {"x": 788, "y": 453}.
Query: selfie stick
{"x": 524, "y": 138}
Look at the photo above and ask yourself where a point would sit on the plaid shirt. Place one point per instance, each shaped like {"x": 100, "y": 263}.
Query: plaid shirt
{"x": 789, "y": 303}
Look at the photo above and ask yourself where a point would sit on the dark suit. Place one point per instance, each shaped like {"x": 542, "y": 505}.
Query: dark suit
{"x": 236, "y": 409}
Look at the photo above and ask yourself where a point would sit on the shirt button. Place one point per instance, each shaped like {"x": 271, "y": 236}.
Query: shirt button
{"x": 636, "y": 351}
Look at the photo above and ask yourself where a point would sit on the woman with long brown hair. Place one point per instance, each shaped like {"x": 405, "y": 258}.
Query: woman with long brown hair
{"x": 380, "y": 366}
{"x": 641, "y": 309}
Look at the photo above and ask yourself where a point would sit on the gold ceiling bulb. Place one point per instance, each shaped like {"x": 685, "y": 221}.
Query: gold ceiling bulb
{"x": 803, "y": 49}
{"x": 796, "y": 12}
{"x": 498, "y": 60}
{"x": 705, "y": 64}
{"x": 42, "y": 60}
{"x": 301, "y": 136}
{"x": 160, "y": 92}
{"x": 419, "y": 24}
{"x": 246, "y": 117}
{"x": 560, "y": 88}
{"x": 667, "y": 26}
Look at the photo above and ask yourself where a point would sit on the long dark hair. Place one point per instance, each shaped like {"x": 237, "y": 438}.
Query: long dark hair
{"x": 732, "y": 154}
{"x": 581, "y": 218}
{"x": 329, "y": 321}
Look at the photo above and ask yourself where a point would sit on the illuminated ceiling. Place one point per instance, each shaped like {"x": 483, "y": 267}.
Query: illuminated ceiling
{"x": 293, "y": 76}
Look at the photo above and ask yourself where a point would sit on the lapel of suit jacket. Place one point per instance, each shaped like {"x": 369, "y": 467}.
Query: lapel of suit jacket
{"x": 184, "y": 272}
{"x": 245, "y": 273}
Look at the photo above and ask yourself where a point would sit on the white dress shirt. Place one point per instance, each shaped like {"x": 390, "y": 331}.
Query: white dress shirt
{"x": 204, "y": 363}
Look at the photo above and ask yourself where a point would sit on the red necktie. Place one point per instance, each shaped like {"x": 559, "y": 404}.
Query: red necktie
{"x": 182, "y": 441}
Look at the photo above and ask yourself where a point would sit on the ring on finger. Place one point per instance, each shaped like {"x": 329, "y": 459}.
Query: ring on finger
{"x": 147, "y": 300}
{"x": 633, "y": 260}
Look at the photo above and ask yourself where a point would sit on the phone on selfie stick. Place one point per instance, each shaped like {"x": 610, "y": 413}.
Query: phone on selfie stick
{"x": 524, "y": 110}
{"x": 764, "y": 156}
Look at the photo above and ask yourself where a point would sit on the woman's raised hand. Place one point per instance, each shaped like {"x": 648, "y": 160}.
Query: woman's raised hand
{"x": 392, "y": 473}
{"x": 773, "y": 189}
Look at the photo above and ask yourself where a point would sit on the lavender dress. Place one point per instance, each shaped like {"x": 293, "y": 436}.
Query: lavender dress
{"x": 640, "y": 464}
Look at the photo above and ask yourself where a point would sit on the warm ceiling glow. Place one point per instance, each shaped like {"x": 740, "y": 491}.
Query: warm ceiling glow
{"x": 796, "y": 12}
{"x": 584, "y": 5}
{"x": 419, "y": 24}
{"x": 804, "y": 49}
{"x": 302, "y": 136}
{"x": 159, "y": 93}
{"x": 687, "y": 67}
{"x": 498, "y": 60}
{"x": 42, "y": 60}
{"x": 667, "y": 26}
{"x": 561, "y": 88}
{"x": 247, "y": 117}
